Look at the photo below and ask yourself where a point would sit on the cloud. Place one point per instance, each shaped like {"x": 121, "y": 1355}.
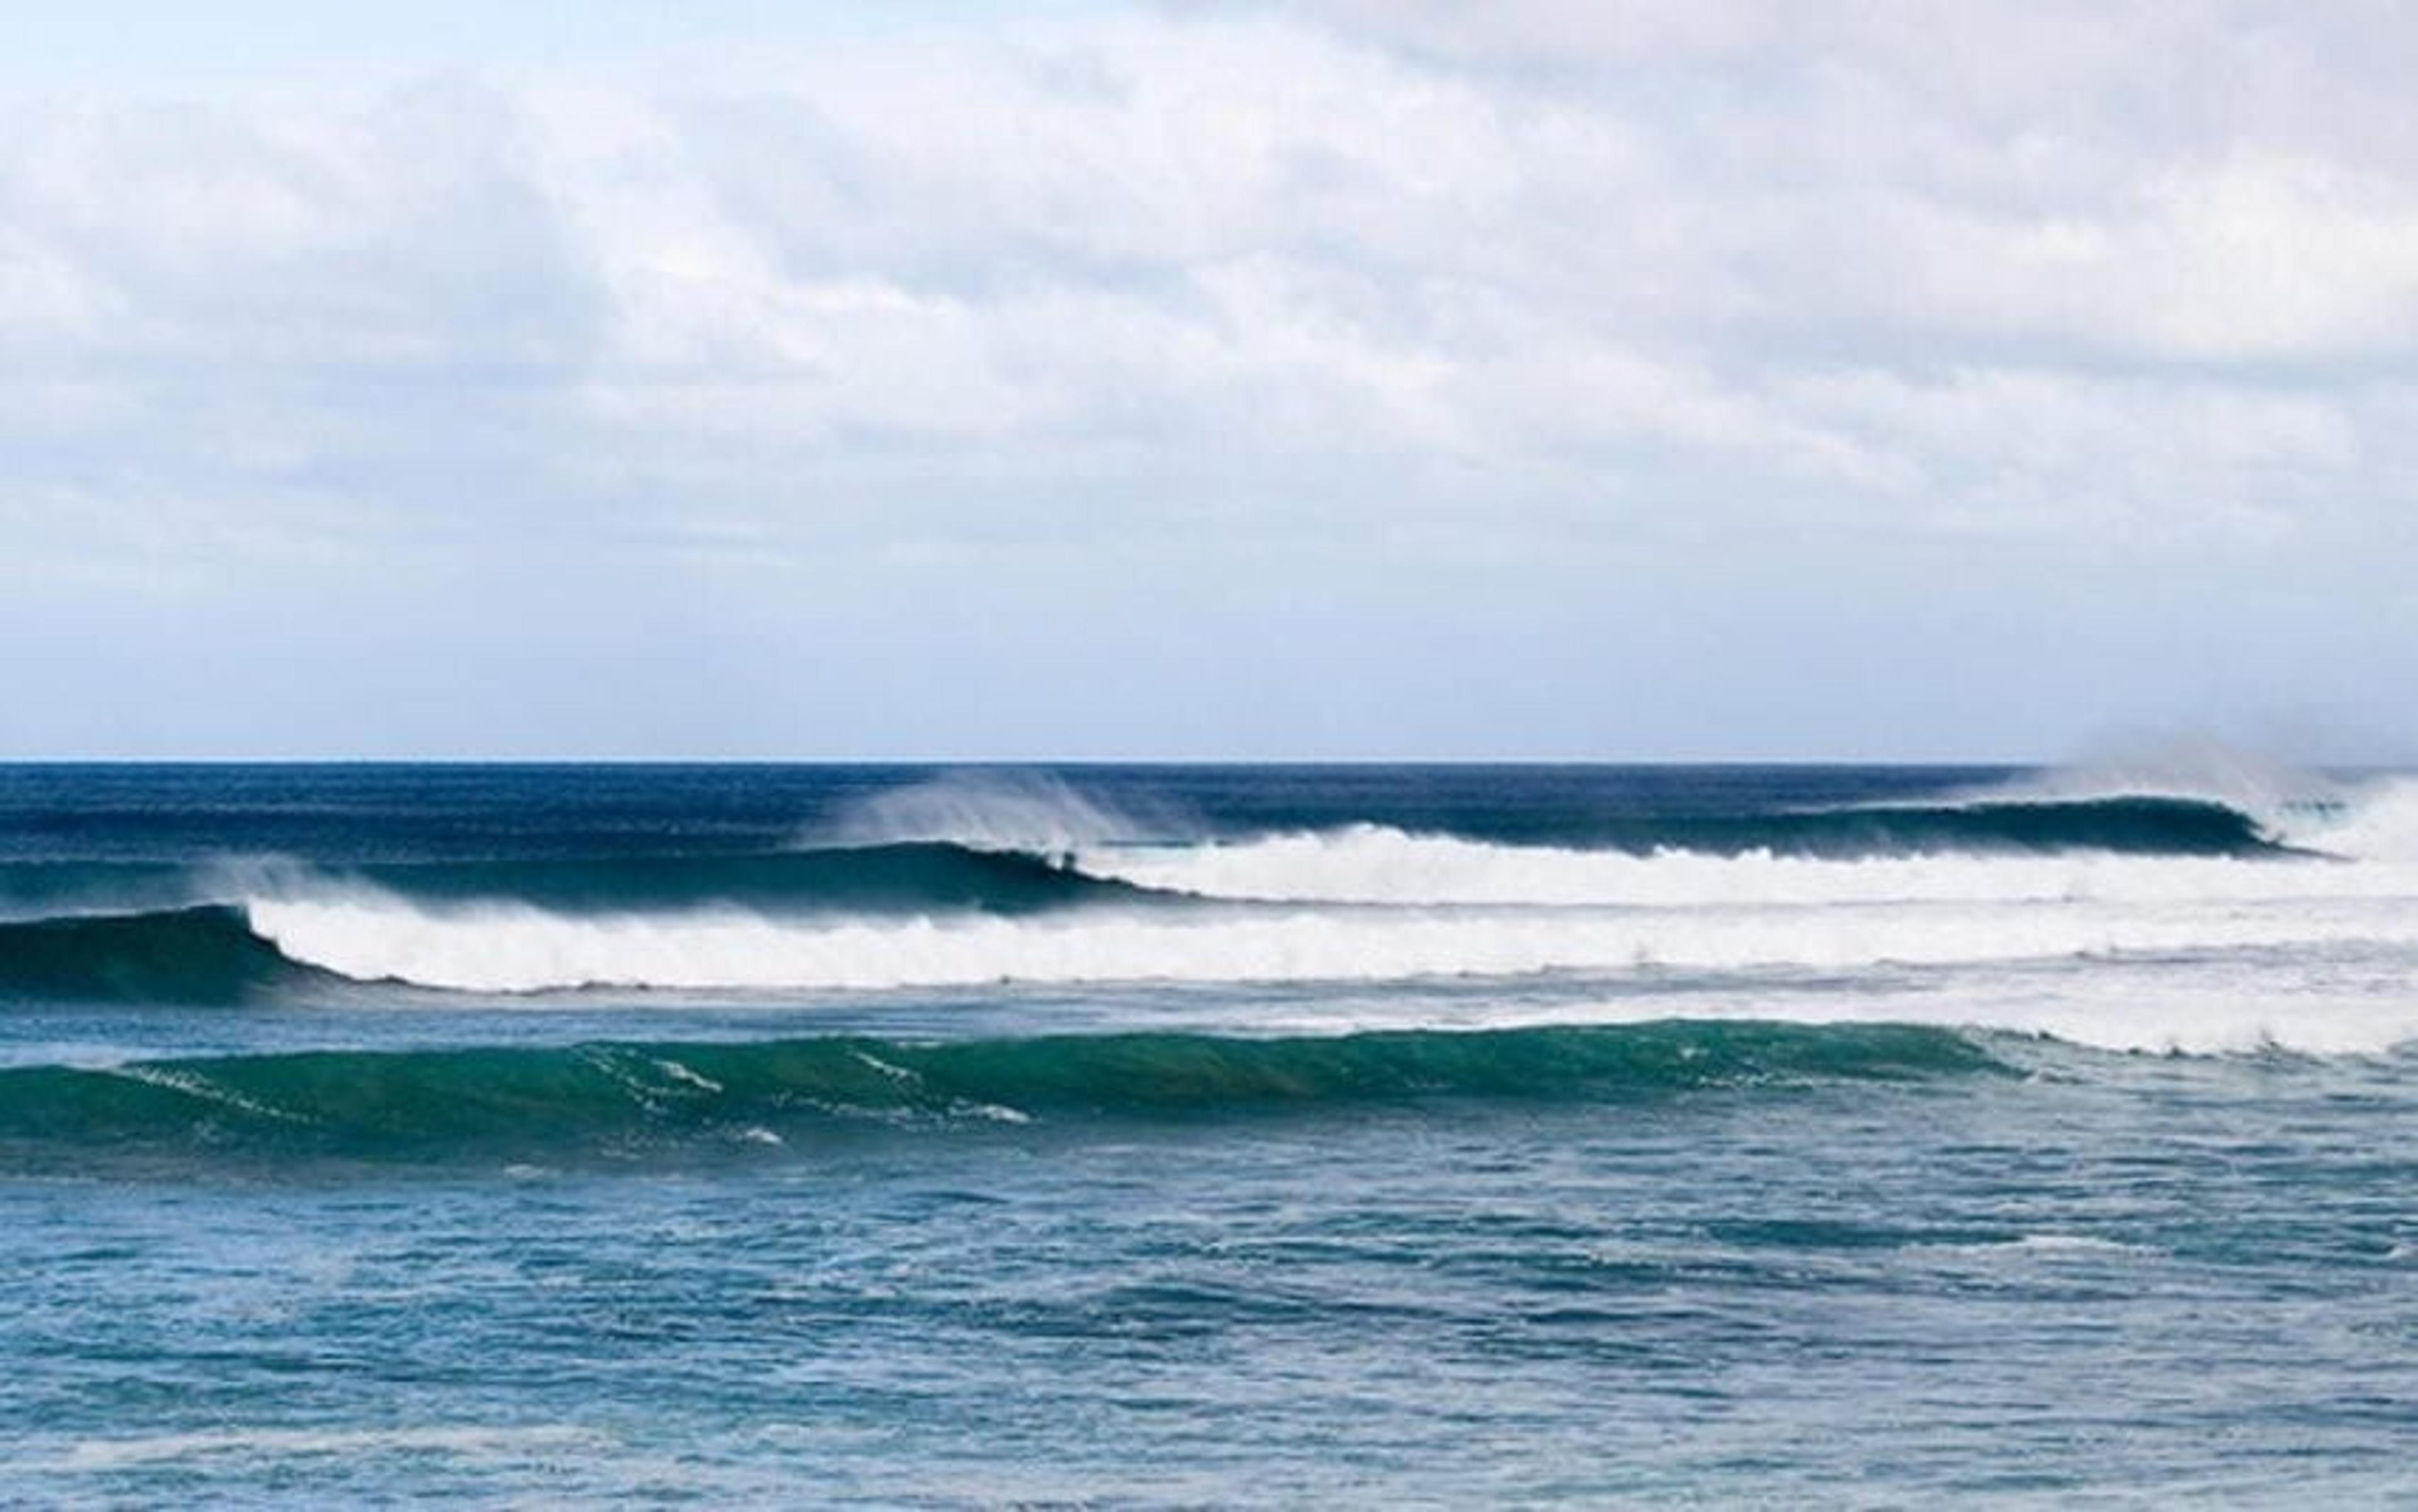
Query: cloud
{"x": 1215, "y": 298}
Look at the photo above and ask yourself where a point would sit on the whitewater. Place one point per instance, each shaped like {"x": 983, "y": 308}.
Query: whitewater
{"x": 2311, "y": 899}
{"x": 1158, "y": 1136}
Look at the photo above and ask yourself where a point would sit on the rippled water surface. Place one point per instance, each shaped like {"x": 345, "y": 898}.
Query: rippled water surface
{"x": 772, "y": 1135}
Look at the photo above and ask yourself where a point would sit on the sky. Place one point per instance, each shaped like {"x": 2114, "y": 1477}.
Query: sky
{"x": 1543, "y": 380}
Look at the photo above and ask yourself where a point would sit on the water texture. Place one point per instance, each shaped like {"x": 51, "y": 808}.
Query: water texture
{"x": 1206, "y": 1136}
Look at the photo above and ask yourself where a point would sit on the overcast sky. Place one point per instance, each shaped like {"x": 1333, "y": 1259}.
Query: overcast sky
{"x": 1573, "y": 380}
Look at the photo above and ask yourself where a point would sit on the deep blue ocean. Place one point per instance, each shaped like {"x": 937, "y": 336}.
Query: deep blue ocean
{"x": 1217, "y": 1136}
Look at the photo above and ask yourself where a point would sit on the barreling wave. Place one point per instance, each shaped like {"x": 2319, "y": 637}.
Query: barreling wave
{"x": 1027, "y": 811}
{"x": 1362, "y": 903}
{"x": 605, "y": 1099}
{"x": 1642, "y": 861}
{"x": 912, "y": 876}
{"x": 103, "y": 932}
{"x": 206, "y": 955}
{"x": 1374, "y": 865}
{"x": 2147, "y": 825}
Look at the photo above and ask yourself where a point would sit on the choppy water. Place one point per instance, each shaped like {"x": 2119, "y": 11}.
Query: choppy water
{"x": 1206, "y": 1136}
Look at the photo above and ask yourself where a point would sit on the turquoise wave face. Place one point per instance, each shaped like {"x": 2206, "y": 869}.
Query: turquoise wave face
{"x": 603, "y": 1099}
{"x": 926, "y": 874}
{"x": 853, "y": 878}
{"x": 99, "y": 931}
{"x": 912, "y": 876}
{"x": 1003, "y": 1183}
{"x": 2151, "y": 826}
{"x": 202, "y": 956}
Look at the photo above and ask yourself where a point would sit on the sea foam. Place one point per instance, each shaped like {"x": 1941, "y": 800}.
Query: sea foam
{"x": 513, "y": 950}
{"x": 1374, "y": 865}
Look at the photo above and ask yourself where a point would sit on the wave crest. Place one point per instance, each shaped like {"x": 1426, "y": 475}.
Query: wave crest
{"x": 1025, "y": 811}
{"x": 611, "y": 1098}
{"x": 1374, "y": 864}
{"x": 523, "y": 950}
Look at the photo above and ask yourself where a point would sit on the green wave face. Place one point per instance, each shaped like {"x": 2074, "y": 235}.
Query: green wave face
{"x": 917, "y": 875}
{"x": 147, "y": 932}
{"x": 871, "y": 878}
{"x": 2145, "y": 826}
{"x": 206, "y": 955}
{"x": 606, "y": 1099}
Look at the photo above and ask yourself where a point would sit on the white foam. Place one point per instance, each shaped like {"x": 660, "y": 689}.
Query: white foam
{"x": 526, "y": 950}
{"x": 680, "y": 1073}
{"x": 1368, "y": 864}
{"x": 2215, "y": 1004}
{"x": 2306, "y": 953}
{"x": 2372, "y": 818}
{"x": 2378, "y": 824}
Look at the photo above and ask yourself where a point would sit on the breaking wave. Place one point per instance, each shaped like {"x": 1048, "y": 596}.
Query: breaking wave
{"x": 525, "y": 951}
{"x": 1364, "y": 903}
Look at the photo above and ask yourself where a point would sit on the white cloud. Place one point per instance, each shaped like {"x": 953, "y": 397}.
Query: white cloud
{"x": 1506, "y": 281}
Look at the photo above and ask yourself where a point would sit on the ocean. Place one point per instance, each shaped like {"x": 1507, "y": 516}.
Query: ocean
{"x": 1207, "y": 1136}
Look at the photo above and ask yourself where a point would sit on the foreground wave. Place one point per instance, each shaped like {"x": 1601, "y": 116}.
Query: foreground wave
{"x": 629, "y": 1098}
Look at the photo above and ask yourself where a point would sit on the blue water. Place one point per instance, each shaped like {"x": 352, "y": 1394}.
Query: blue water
{"x": 1205, "y": 1136}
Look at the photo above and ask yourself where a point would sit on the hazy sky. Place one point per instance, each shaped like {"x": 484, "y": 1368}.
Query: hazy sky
{"x": 1601, "y": 381}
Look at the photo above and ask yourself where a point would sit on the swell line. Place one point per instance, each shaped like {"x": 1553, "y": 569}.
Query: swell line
{"x": 624, "y": 1096}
